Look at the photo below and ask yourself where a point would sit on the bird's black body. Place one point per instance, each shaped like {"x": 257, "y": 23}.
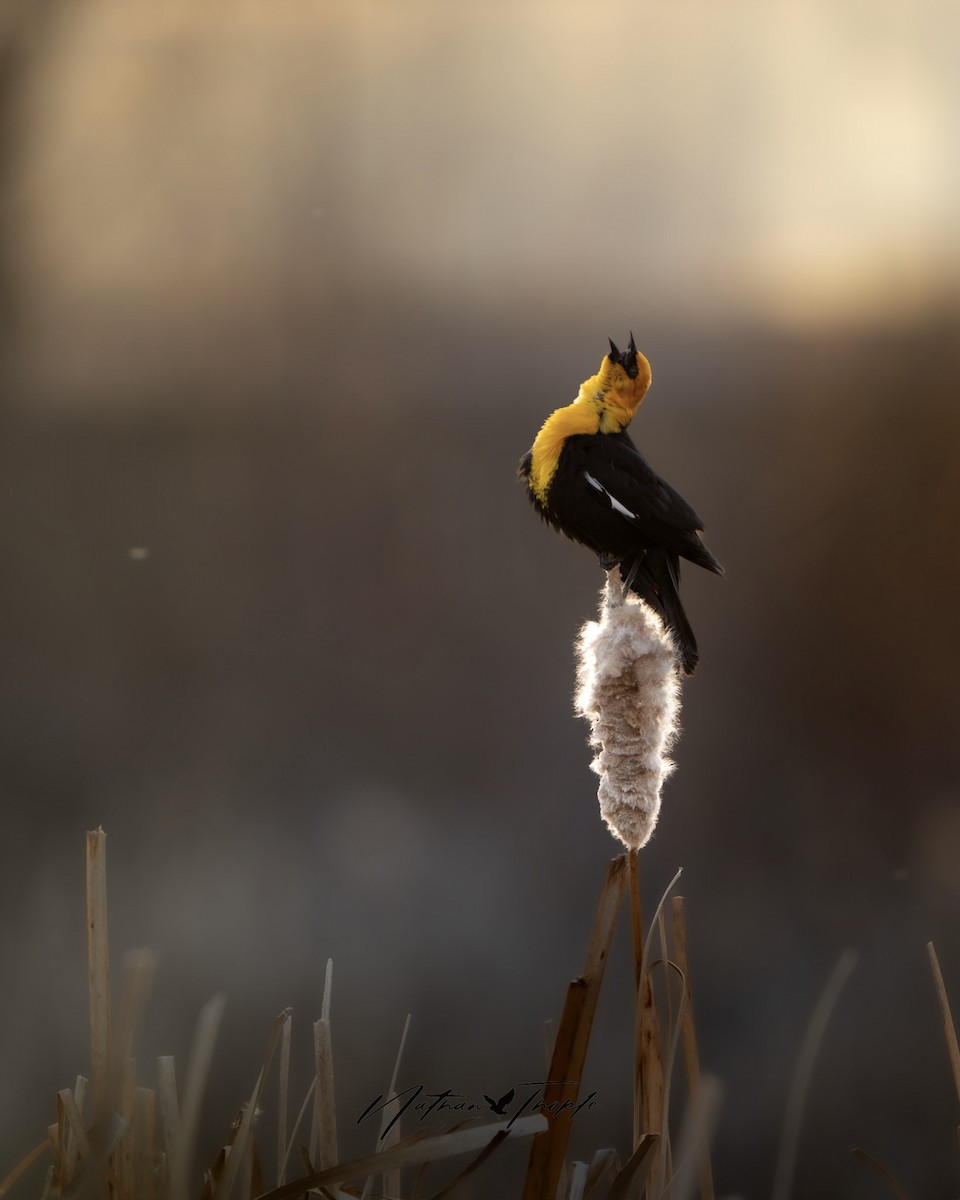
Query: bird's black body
{"x": 604, "y": 495}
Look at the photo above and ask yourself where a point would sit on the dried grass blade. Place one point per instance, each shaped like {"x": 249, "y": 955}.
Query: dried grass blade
{"x": 635, "y": 1170}
{"x": 98, "y": 966}
{"x": 55, "y": 1142}
{"x": 669, "y": 1015}
{"x": 573, "y": 1035}
{"x": 666, "y": 1147}
{"x": 126, "y": 1150}
{"x": 389, "y": 1120}
{"x": 75, "y": 1148}
{"x": 883, "y": 1172}
{"x": 238, "y": 1157}
{"x": 790, "y": 1135}
{"x": 649, "y": 1083}
{"x": 101, "y": 1142}
{"x": 198, "y": 1068}
{"x": 139, "y": 969}
{"x": 604, "y": 1167}
{"x": 80, "y": 1092}
{"x": 169, "y": 1105}
{"x": 23, "y": 1165}
{"x": 411, "y": 1152}
{"x": 578, "y": 1181}
{"x": 656, "y": 917}
{"x": 650, "y": 1068}
{"x": 145, "y": 1119}
{"x": 949, "y": 1029}
{"x": 688, "y": 1027}
{"x": 296, "y": 1125}
{"x": 390, "y": 1133}
{"x": 323, "y": 1139}
{"x": 283, "y": 1096}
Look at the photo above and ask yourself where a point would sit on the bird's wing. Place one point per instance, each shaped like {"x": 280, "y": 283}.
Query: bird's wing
{"x": 618, "y": 475}
{"x": 611, "y": 473}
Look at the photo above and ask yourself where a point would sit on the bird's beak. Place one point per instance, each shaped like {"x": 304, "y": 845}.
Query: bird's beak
{"x": 626, "y": 359}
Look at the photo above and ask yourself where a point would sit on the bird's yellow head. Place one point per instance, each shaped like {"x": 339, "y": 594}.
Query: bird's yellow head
{"x": 618, "y": 388}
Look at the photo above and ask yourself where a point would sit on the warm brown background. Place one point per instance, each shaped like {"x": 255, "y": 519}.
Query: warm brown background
{"x": 288, "y": 288}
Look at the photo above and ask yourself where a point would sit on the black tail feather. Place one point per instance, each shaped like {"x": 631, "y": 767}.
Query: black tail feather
{"x": 654, "y": 576}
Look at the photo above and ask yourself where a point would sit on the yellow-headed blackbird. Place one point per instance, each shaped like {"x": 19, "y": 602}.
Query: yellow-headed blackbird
{"x": 587, "y": 479}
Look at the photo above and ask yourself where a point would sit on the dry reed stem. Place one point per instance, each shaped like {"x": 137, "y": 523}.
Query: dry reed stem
{"x": 144, "y": 1147}
{"x": 242, "y": 1146}
{"x": 649, "y": 1080}
{"x": 578, "y": 1181}
{"x": 636, "y": 1169}
{"x": 139, "y": 970}
{"x": 323, "y": 1137}
{"x": 296, "y": 1126}
{"x": 126, "y": 1149}
{"x": 145, "y": 1175}
{"x": 604, "y": 1167}
{"x": 650, "y": 1074}
{"x": 673, "y": 1025}
{"x": 548, "y": 1150}
{"x": 169, "y": 1119}
{"x": 76, "y": 1152}
{"x": 636, "y": 929}
{"x": 283, "y": 1096}
{"x": 198, "y": 1069}
{"x": 98, "y": 967}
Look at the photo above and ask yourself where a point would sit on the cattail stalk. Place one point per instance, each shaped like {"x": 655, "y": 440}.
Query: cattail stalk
{"x": 629, "y": 692}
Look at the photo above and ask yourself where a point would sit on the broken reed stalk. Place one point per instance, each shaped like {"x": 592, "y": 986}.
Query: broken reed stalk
{"x": 98, "y": 965}
{"x": 323, "y": 1136}
{"x": 548, "y": 1150}
{"x": 660, "y": 1029}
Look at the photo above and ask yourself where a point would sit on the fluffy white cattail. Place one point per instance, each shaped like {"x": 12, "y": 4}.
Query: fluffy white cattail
{"x": 629, "y": 691}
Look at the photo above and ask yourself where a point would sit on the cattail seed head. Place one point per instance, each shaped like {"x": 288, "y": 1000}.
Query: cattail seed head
{"x": 627, "y": 688}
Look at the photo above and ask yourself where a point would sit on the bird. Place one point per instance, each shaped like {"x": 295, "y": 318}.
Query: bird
{"x": 499, "y": 1106}
{"x": 586, "y": 478}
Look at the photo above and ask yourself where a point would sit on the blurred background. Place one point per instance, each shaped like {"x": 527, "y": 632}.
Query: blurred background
{"x": 287, "y": 288}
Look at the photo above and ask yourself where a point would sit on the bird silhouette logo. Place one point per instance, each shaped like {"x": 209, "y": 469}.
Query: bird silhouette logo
{"x": 499, "y": 1106}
